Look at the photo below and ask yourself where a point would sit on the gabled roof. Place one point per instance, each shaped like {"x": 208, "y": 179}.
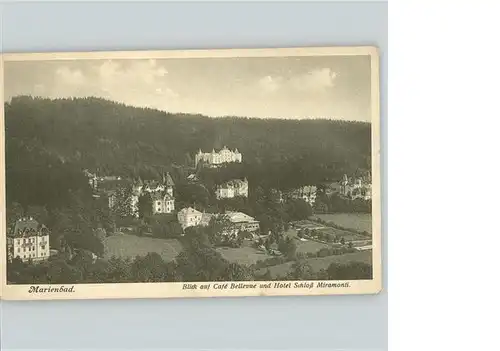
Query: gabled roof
{"x": 189, "y": 210}
{"x": 237, "y": 217}
{"x": 27, "y": 225}
{"x": 157, "y": 195}
{"x": 113, "y": 184}
{"x": 233, "y": 183}
{"x": 168, "y": 180}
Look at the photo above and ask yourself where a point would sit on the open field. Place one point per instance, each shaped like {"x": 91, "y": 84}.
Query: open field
{"x": 356, "y": 221}
{"x": 310, "y": 246}
{"x": 347, "y": 235}
{"x": 125, "y": 245}
{"x": 306, "y": 246}
{"x": 322, "y": 262}
{"x": 243, "y": 255}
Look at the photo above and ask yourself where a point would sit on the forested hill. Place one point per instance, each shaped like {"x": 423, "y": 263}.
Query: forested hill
{"x": 118, "y": 139}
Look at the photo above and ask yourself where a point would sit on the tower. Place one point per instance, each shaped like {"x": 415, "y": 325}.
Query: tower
{"x": 168, "y": 183}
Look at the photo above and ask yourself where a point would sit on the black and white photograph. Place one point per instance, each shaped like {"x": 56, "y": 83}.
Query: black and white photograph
{"x": 203, "y": 173}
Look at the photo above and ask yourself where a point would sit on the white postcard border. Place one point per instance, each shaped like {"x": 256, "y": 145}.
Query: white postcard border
{"x": 175, "y": 290}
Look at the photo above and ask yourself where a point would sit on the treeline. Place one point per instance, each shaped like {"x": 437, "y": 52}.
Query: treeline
{"x": 199, "y": 263}
{"x": 75, "y": 226}
{"x": 334, "y": 203}
{"x": 262, "y": 204}
{"x": 44, "y": 136}
{"x": 204, "y": 265}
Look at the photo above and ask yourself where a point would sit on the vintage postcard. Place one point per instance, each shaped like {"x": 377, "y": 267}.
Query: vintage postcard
{"x": 198, "y": 173}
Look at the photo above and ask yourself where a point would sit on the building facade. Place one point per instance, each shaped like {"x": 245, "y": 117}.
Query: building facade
{"x": 162, "y": 194}
{"x": 243, "y": 222}
{"x": 162, "y": 203}
{"x": 216, "y": 159}
{"x": 127, "y": 197}
{"x": 96, "y": 181}
{"x": 233, "y": 188}
{"x": 239, "y": 221}
{"x": 190, "y": 217}
{"x": 356, "y": 188}
{"x": 29, "y": 240}
{"x": 306, "y": 193}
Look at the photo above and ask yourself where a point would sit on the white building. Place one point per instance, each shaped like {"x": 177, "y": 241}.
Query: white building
{"x": 215, "y": 159}
{"x": 233, "y": 188}
{"x": 243, "y": 222}
{"x": 306, "y": 193}
{"x": 356, "y": 188}
{"x": 189, "y": 217}
{"x": 162, "y": 195}
{"x": 29, "y": 240}
{"x": 162, "y": 203}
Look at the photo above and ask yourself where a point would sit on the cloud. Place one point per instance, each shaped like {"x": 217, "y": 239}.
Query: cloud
{"x": 270, "y": 84}
{"x": 312, "y": 81}
{"x": 319, "y": 79}
{"x": 71, "y": 77}
{"x": 140, "y": 83}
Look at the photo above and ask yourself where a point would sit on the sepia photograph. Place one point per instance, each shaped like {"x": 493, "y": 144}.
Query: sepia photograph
{"x": 194, "y": 173}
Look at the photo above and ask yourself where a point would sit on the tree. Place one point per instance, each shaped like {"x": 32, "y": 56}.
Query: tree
{"x": 60, "y": 272}
{"x": 321, "y": 206}
{"x": 83, "y": 238}
{"x": 301, "y": 270}
{"x": 288, "y": 247}
{"x": 14, "y": 212}
{"x": 298, "y": 209}
{"x": 165, "y": 226}
{"x": 219, "y": 229}
{"x": 38, "y": 213}
{"x": 150, "y": 268}
{"x": 145, "y": 205}
{"x": 119, "y": 270}
{"x": 236, "y": 272}
{"x": 349, "y": 271}
{"x": 266, "y": 276}
{"x": 278, "y": 154}
{"x": 123, "y": 202}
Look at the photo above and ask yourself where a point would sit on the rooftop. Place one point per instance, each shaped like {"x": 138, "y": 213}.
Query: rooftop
{"x": 237, "y": 217}
{"x": 160, "y": 196}
{"x": 27, "y": 226}
{"x": 189, "y": 210}
{"x": 234, "y": 183}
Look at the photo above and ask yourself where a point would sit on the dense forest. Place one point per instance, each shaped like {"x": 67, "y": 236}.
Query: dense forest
{"x": 49, "y": 142}
{"x": 197, "y": 262}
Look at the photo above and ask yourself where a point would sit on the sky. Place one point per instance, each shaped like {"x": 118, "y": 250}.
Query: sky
{"x": 333, "y": 87}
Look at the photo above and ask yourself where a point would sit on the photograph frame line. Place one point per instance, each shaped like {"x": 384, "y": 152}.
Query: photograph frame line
{"x": 211, "y": 288}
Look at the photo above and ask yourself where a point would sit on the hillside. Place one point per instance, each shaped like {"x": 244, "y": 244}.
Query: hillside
{"x": 48, "y": 143}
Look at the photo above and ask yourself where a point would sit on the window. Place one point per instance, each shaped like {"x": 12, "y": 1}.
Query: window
{"x": 43, "y": 247}
{"x": 18, "y": 250}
